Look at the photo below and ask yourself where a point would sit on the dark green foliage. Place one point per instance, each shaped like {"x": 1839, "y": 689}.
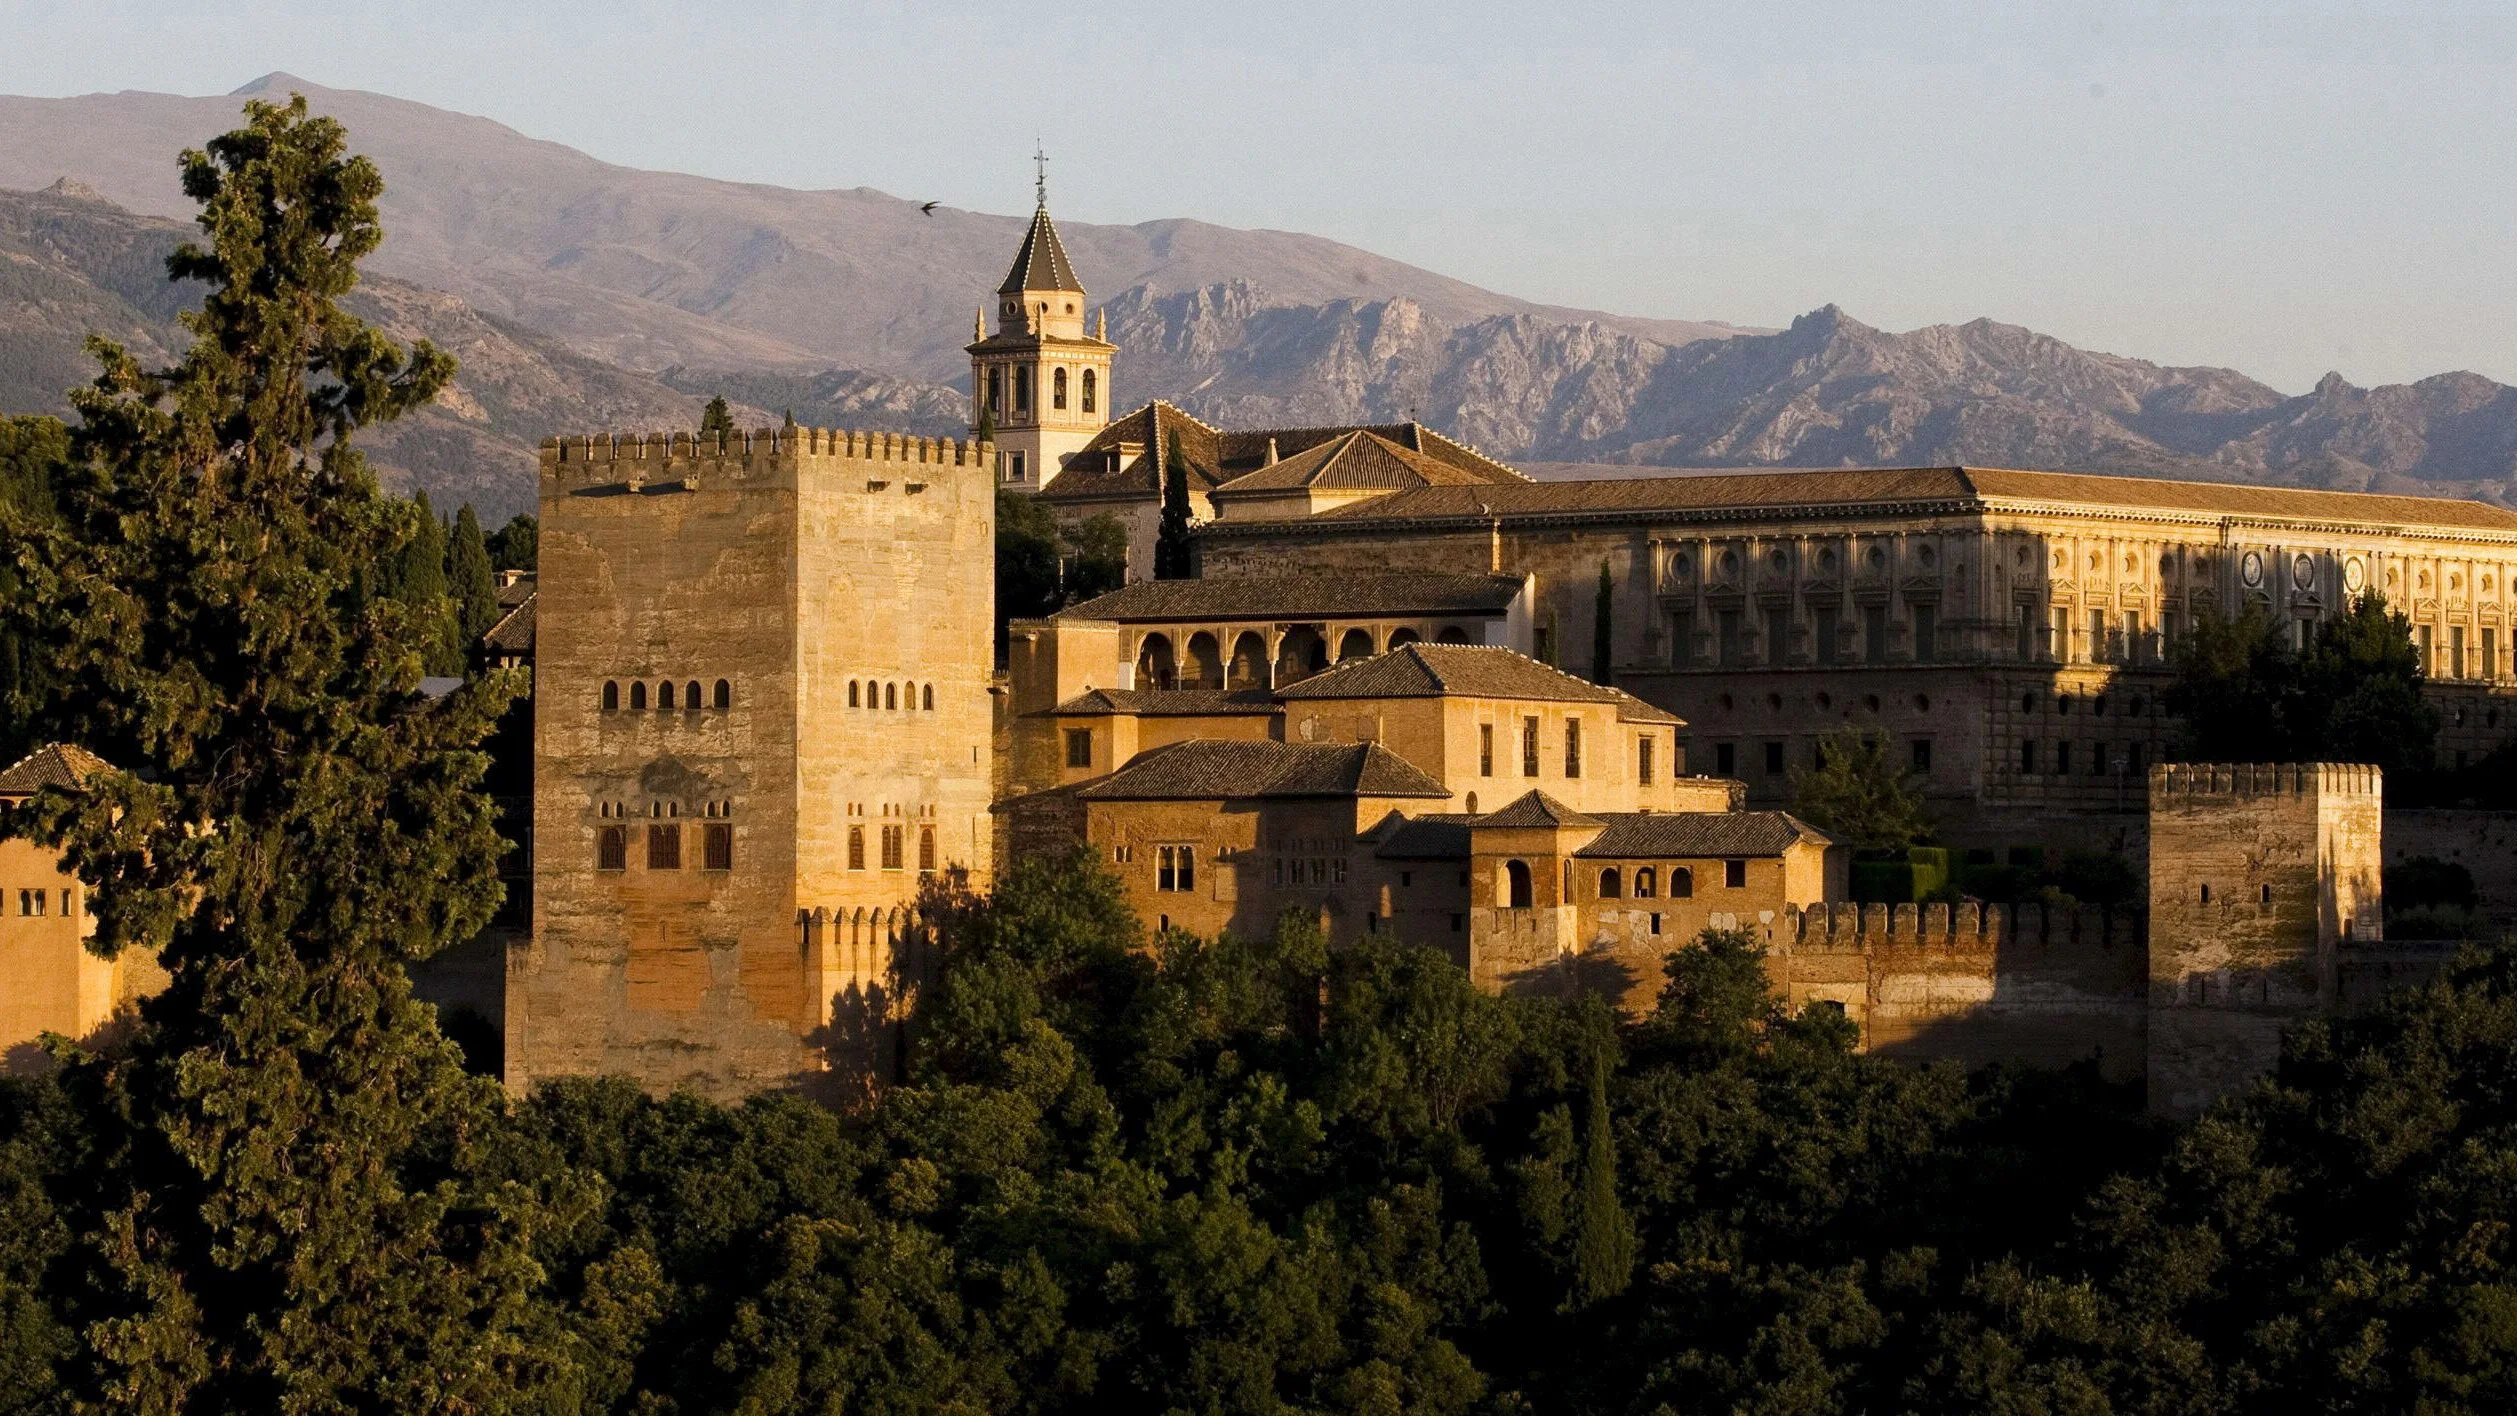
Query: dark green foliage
{"x": 32, "y": 452}
{"x": 1042, "y": 567}
{"x": 716, "y": 420}
{"x": 284, "y": 1209}
{"x": 1175, "y": 554}
{"x": 471, "y": 581}
{"x": 1603, "y": 636}
{"x": 516, "y": 545}
{"x": 1859, "y": 794}
{"x": 1096, "y": 557}
{"x": 2244, "y": 694}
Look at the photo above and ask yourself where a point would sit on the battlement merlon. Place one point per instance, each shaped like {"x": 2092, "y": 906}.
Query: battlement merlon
{"x": 1863, "y": 928}
{"x": 2239, "y": 780}
{"x": 663, "y": 457}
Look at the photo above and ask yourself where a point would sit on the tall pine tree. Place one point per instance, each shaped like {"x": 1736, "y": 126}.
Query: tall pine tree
{"x": 288, "y": 1190}
{"x": 716, "y": 420}
{"x": 1175, "y": 556}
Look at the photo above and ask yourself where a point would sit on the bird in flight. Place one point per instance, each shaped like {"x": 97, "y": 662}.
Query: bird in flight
{"x": 929, "y": 208}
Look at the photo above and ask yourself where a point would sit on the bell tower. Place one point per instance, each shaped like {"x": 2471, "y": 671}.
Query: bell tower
{"x": 1040, "y": 382}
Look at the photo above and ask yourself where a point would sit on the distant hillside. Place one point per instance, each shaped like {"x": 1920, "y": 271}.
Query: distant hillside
{"x": 585, "y": 296}
{"x": 71, "y": 263}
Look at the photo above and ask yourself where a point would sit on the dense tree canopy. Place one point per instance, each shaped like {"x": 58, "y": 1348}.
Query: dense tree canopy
{"x": 2245, "y": 693}
{"x": 1859, "y": 794}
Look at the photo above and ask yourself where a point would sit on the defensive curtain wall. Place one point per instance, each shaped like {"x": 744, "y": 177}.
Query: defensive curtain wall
{"x": 762, "y": 719}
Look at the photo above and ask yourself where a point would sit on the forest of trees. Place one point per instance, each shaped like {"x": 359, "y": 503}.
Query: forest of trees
{"x": 1113, "y": 1173}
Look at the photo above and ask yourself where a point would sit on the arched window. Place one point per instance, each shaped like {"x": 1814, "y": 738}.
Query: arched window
{"x": 1681, "y": 883}
{"x": 852, "y": 693}
{"x": 926, "y": 850}
{"x": 1644, "y": 883}
{"x": 1399, "y": 637}
{"x": 1057, "y": 388}
{"x": 926, "y": 698}
{"x": 1354, "y": 644}
{"x": 1451, "y": 634}
{"x": 1022, "y": 390}
{"x": 996, "y": 390}
{"x": 725, "y": 694}
{"x": 856, "y": 848}
{"x": 637, "y": 696}
{"x": 1155, "y": 666}
{"x": 664, "y": 696}
{"x": 891, "y": 695}
{"x": 1611, "y": 887}
{"x": 690, "y": 696}
{"x": 611, "y": 696}
{"x": 611, "y": 848}
{"x": 1516, "y": 884}
{"x": 1300, "y": 654}
{"x": 1205, "y": 668}
{"x": 1090, "y": 391}
{"x": 1249, "y": 662}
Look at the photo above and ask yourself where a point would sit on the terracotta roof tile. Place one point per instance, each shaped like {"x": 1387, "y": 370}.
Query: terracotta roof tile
{"x": 1659, "y": 834}
{"x": 1207, "y": 770}
{"x": 59, "y": 764}
{"x": 1433, "y": 836}
{"x": 1216, "y": 456}
{"x": 1533, "y": 810}
{"x": 1315, "y": 595}
{"x": 1465, "y": 671}
{"x": 1167, "y": 702}
{"x": 1041, "y": 264}
{"x": 513, "y": 633}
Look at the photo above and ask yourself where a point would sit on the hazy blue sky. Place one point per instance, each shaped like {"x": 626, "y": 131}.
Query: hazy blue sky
{"x": 2281, "y": 187}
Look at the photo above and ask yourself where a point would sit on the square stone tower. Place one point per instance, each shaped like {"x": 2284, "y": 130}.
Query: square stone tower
{"x": 2258, "y": 872}
{"x": 761, "y": 723}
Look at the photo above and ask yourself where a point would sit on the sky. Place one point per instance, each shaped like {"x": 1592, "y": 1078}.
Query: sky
{"x": 2282, "y": 188}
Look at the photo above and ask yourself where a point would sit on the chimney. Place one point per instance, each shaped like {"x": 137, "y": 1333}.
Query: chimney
{"x": 1271, "y": 453}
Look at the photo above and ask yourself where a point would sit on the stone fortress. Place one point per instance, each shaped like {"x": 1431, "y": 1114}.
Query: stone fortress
{"x": 768, "y": 713}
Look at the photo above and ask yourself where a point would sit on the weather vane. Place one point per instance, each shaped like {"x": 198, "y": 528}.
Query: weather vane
{"x": 1040, "y": 183}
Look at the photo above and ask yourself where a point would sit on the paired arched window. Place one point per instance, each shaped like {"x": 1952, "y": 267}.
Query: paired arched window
{"x": 1089, "y": 391}
{"x": 611, "y": 696}
{"x": 1611, "y": 885}
{"x": 1057, "y": 388}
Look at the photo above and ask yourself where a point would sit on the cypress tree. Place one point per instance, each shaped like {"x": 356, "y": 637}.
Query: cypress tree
{"x": 1174, "y": 555}
{"x": 516, "y": 545}
{"x": 288, "y": 1186}
{"x": 1602, "y": 639}
{"x": 984, "y": 430}
{"x": 716, "y": 420}
{"x": 472, "y": 582}
{"x": 1603, "y": 1233}
{"x": 417, "y": 577}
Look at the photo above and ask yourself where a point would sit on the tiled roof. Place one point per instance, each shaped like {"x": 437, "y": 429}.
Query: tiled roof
{"x": 1955, "y": 488}
{"x": 1533, "y": 810}
{"x": 1658, "y": 834}
{"x": 1465, "y": 671}
{"x": 1354, "y": 461}
{"x": 1041, "y": 263}
{"x": 517, "y": 591}
{"x": 1166, "y": 702}
{"x": 1316, "y": 595}
{"x": 1216, "y": 456}
{"x": 1204, "y": 770}
{"x": 1434, "y": 836}
{"x": 59, "y": 764}
{"x": 513, "y": 633}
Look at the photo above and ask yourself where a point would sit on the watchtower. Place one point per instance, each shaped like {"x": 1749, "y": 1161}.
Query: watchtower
{"x": 761, "y": 723}
{"x": 1040, "y": 382}
{"x": 2258, "y": 873}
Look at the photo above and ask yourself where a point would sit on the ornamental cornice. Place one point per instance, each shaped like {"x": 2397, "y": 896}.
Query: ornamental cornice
{"x": 2173, "y": 516}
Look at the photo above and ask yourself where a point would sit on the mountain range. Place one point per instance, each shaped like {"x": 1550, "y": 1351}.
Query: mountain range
{"x": 582, "y": 295}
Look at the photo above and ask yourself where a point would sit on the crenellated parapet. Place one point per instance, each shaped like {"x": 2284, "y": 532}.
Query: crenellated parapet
{"x": 638, "y": 459}
{"x": 1855, "y": 928}
{"x": 2265, "y": 779}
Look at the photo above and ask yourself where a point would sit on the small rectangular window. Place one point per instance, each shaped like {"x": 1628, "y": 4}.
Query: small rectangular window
{"x": 1926, "y": 633}
{"x": 1774, "y": 759}
{"x": 2026, "y": 647}
{"x": 719, "y": 847}
{"x": 2097, "y": 759}
{"x": 664, "y": 846}
{"x": 1682, "y": 639}
{"x": 2027, "y": 755}
{"x": 2097, "y": 636}
{"x": 1485, "y": 749}
{"x": 1725, "y": 759}
{"x": 1572, "y": 747}
{"x": 1735, "y": 874}
{"x": 1778, "y": 635}
{"x": 1874, "y": 634}
{"x": 1079, "y": 747}
{"x": 1643, "y": 760}
{"x": 1822, "y": 635}
{"x": 611, "y": 848}
{"x": 1529, "y": 747}
{"x": 1727, "y": 632}
{"x": 1656, "y": 923}
{"x": 1922, "y": 756}
{"x": 2062, "y": 759}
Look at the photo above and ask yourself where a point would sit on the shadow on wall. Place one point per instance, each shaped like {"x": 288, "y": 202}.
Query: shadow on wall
{"x": 29, "y": 1059}
{"x": 859, "y": 1048}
